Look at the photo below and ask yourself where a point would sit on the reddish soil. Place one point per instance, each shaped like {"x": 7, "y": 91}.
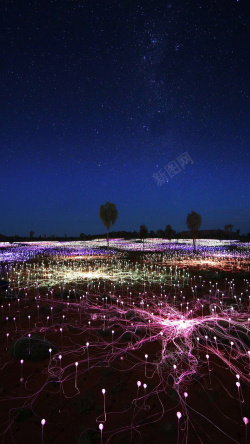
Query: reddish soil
{"x": 73, "y": 410}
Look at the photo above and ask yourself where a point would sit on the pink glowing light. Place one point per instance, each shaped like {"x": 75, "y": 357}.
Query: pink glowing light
{"x": 104, "y": 406}
{"x": 76, "y": 365}
{"x": 43, "y": 422}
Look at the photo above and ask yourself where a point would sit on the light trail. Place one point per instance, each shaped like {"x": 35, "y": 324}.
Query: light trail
{"x": 159, "y": 319}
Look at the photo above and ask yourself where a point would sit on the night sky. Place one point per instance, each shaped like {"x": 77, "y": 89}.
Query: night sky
{"x": 141, "y": 103}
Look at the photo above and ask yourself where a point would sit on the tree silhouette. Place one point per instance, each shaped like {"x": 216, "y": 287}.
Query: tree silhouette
{"x": 228, "y": 228}
{"x": 31, "y": 234}
{"x": 169, "y": 232}
{"x": 108, "y": 214}
{"x": 193, "y": 223}
{"x": 160, "y": 233}
{"x": 143, "y": 233}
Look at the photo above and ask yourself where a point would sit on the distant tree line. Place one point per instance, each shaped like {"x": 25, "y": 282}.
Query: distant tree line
{"x": 204, "y": 234}
{"x": 108, "y": 214}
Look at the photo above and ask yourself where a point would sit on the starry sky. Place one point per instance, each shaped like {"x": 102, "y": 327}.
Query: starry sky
{"x": 141, "y": 103}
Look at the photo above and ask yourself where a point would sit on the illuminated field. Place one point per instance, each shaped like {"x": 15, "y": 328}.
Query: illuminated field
{"x": 153, "y": 343}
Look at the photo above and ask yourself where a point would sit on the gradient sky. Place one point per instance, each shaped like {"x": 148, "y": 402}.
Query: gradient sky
{"x": 98, "y": 97}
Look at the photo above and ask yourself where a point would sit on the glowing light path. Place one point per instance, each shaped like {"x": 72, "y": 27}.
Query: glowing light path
{"x": 161, "y": 340}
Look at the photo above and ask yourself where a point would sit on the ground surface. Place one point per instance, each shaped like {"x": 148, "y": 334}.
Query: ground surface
{"x": 162, "y": 332}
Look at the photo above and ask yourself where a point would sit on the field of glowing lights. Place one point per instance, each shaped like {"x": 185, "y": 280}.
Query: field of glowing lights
{"x": 149, "y": 345}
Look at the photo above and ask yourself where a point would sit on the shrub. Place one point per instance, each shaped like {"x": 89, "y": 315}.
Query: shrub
{"x": 31, "y": 349}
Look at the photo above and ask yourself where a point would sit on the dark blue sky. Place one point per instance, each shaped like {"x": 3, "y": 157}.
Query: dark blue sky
{"x": 98, "y": 97}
